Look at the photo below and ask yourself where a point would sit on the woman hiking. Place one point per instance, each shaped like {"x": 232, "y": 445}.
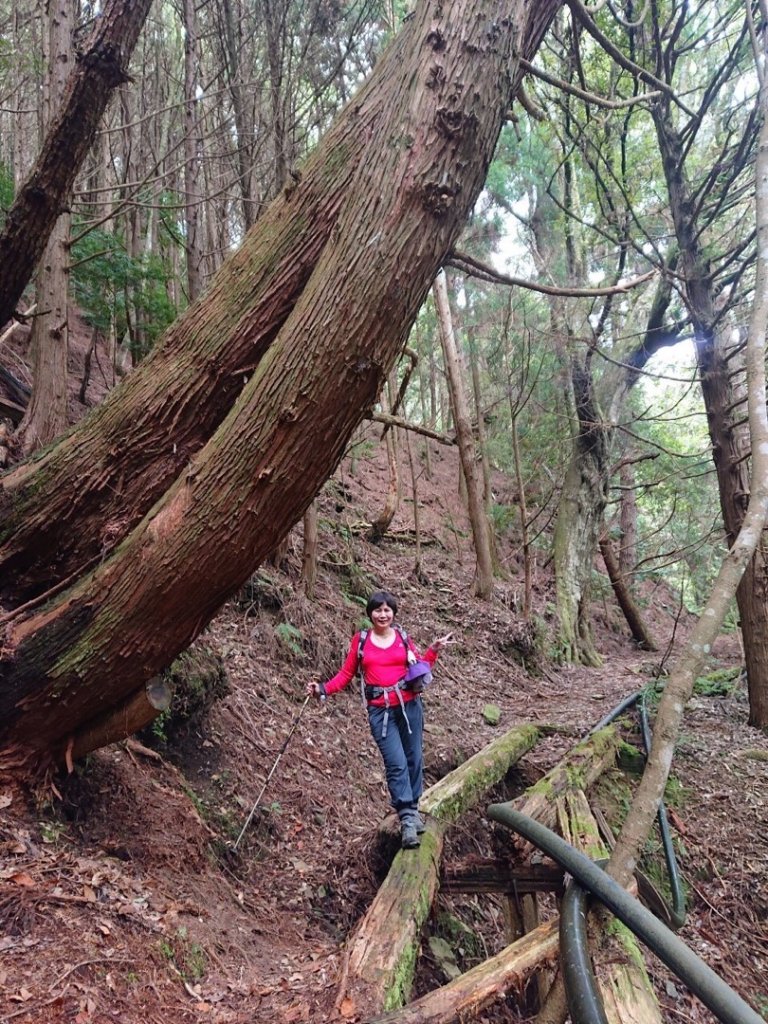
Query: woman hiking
{"x": 383, "y": 656}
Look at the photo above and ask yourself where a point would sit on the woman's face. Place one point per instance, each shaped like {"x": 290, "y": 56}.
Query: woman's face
{"x": 382, "y": 617}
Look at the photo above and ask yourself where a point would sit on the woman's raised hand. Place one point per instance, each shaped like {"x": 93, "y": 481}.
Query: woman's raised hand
{"x": 443, "y": 641}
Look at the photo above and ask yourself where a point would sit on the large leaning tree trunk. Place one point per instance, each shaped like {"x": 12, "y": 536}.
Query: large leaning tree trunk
{"x": 101, "y": 65}
{"x": 323, "y": 291}
{"x": 51, "y": 530}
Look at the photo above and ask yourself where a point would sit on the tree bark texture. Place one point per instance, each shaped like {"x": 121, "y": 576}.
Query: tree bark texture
{"x": 334, "y": 285}
{"x": 578, "y": 770}
{"x": 309, "y": 552}
{"x": 134, "y": 446}
{"x": 46, "y": 415}
{"x": 99, "y": 67}
{"x": 579, "y": 516}
{"x": 141, "y": 708}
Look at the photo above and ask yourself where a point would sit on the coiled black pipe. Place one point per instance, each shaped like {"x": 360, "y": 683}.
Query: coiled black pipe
{"x": 585, "y": 1003}
{"x": 726, "y": 1004}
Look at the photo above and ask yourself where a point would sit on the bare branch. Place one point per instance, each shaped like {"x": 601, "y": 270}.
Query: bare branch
{"x": 396, "y": 421}
{"x": 474, "y": 268}
{"x": 582, "y": 94}
{"x": 582, "y": 15}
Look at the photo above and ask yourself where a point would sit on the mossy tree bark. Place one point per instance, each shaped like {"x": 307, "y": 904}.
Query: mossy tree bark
{"x": 325, "y": 289}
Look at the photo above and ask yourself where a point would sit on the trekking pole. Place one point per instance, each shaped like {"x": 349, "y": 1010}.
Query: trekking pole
{"x": 272, "y": 771}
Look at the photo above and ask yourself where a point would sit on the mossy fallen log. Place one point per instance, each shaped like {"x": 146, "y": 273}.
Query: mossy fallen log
{"x": 464, "y": 998}
{"x": 580, "y": 767}
{"x": 381, "y": 955}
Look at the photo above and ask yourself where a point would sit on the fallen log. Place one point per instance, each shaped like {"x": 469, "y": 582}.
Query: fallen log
{"x": 580, "y": 767}
{"x": 381, "y": 955}
{"x": 464, "y": 998}
{"x": 142, "y": 707}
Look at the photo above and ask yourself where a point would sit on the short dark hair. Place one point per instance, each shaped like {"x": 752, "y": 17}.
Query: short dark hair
{"x": 378, "y": 598}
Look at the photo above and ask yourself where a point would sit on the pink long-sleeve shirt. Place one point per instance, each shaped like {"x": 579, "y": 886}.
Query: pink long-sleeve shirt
{"x": 382, "y": 666}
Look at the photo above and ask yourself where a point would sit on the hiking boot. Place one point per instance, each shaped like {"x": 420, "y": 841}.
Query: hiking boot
{"x": 420, "y": 824}
{"x": 409, "y": 836}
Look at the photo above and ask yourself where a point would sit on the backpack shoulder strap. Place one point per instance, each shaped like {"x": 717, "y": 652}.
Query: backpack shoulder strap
{"x": 361, "y": 638}
{"x": 409, "y": 655}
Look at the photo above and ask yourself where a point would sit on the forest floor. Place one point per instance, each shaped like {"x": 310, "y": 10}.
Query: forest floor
{"x": 121, "y": 899}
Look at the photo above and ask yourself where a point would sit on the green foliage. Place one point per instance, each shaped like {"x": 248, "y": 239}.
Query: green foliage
{"x": 187, "y": 957}
{"x": 6, "y": 190}
{"x": 290, "y": 637}
{"x": 112, "y": 289}
{"x": 51, "y": 832}
{"x": 720, "y": 683}
{"x": 503, "y": 518}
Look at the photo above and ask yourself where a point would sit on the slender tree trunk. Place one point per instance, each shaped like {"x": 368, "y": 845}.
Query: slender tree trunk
{"x": 382, "y": 522}
{"x": 579, "y": 516}
{"x": 309, "y": 556}
{"x": 243, "y": 126}
{"x": 628, "y": 522}
{"x": 336, "y": 306}
{"x": 46, "y": 414}
{"x": 274, "y": 12}
{"x": 481, "y": 533}
{"x": 679, "y": 687}
{"x": 416, "y": 522}
{"x": 192, "y": 146}
{"x": 637, "y": 626}
{"x": 100, "y": 66}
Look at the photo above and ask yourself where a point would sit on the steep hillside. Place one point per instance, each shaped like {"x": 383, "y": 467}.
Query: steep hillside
{"x": 122, "y": 899}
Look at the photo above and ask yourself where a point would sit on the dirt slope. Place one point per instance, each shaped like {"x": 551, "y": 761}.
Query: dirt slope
{"x": 120, "y": 898}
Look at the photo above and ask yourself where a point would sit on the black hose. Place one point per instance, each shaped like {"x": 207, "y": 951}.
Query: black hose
{"x": 612, "y": 715}
{"x": 726, "y": 1004}
{"x": 585, "y": 1003}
